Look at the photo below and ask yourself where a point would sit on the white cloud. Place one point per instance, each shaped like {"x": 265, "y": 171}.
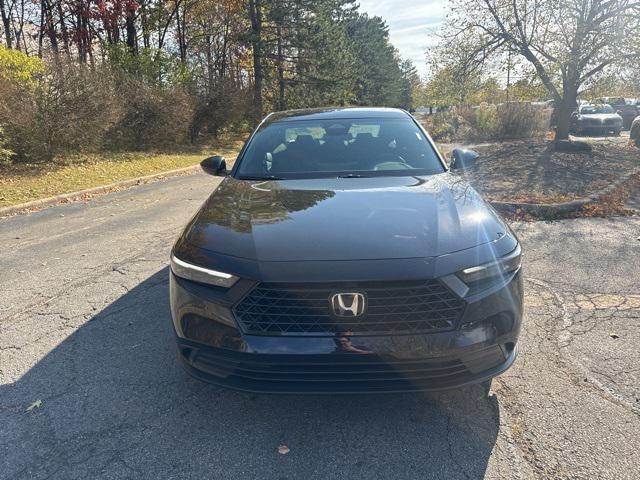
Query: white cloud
{"x": 411, "y": 24}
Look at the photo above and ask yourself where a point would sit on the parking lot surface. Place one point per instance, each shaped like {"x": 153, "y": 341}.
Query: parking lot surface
{"x": 89, "y": 385}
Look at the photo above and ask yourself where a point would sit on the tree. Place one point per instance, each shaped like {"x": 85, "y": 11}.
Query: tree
{"x": 377, "y": 63}
{"x": 567, "y": 42}
{"x": 6, "y": 22}
{"x": 254, "y": 10}
{"x": 411, "y": 85}
{"x": 176, "y": 70}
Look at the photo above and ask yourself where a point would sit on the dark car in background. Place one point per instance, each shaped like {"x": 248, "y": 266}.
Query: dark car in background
{"x": 341, "y": 255}
{"x": 594, "y": 119}
{"x": 626, "y": 108}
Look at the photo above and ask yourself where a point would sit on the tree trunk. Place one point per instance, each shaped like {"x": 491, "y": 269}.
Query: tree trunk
{"x": 50, "y": 27}
{"x": 144, "y": 24}
{"x": 63, "y": 29}
{"x": 563, "y": 116}
{"x": 6, "y": 23}
{"x": 281, "y": 102}
{"x": 255, "y": 16}
{"x": 180, "y": 26}
{"x": 132, "y": 44}
{"x": 563, "y": 111}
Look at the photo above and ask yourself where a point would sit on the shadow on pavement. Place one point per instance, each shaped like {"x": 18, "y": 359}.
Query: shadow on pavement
{"x": 117, "y": 405}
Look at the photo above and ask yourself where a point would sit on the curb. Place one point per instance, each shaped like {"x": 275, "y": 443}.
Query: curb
{"x": 67, "y": 197}
{"x": 562, "y": 207}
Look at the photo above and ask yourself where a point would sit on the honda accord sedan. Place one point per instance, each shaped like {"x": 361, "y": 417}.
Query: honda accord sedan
{"x": 341, "y": 254}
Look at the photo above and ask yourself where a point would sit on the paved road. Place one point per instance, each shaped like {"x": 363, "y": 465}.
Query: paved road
{"x": 85, "y": 335}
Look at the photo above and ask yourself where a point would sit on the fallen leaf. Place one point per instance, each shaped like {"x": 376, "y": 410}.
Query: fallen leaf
{"x": 283, "y": 450}
{"x": 613, "y": 335}
{"x": 36, "y": 404}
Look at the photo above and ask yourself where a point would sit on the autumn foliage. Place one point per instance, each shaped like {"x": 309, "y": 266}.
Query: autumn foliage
{"x": 95, "y": 75}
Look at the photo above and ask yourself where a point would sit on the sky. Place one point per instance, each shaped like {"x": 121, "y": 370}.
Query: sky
{"x": 409, "y": 24}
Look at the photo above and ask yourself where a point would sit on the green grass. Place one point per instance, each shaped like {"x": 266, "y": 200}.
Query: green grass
{"x": 24, "y": 183}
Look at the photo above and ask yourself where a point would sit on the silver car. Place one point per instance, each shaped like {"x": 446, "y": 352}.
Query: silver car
{"x": 634, "y": 134}
{"x": 596, "y": 119}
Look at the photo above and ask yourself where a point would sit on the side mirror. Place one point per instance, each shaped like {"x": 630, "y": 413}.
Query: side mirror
{"x": 214, "y": 166}
{"x": 462, "y": 158}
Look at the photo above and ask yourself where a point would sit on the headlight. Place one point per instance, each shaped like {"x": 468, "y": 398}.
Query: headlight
{"x": 504, "y": 265}
{"x": 200, "y": 274}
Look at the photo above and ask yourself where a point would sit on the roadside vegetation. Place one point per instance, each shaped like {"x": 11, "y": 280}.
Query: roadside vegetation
{"x": 93, "y": 93}
{"x": 488, "y": 122}
{"x": 168, "y": 76}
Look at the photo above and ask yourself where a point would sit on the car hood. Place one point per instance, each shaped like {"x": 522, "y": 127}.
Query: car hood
{"x": 343, "y": 219}
{"x": 599, "y": 116}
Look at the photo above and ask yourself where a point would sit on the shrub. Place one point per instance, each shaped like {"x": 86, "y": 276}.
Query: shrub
{"x": 442, "y": 126}
{"x": 68, "y": 110}
{"x": 488, "y": 122}
{"x": 522, "y": 120}
{"x": 225, "y": 106}
{"x": 5, "y": 153}
{"x": 75, "y": 109}
{"x": 152, "y": 117}
{"x": 17, "y": 67}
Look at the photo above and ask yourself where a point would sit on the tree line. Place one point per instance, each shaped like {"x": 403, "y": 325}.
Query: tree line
{"x": 565, "y": 48}
{"x": 132, "y": 74}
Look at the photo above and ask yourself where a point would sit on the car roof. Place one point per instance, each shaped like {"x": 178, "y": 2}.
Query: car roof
{"x": 334, "y": 113}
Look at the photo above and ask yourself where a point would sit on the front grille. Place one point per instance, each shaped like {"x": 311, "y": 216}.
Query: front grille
{"x": 305, "y": 309}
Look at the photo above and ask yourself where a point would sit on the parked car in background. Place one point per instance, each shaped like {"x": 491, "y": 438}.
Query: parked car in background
{"x": 634, "y": 134}
{"x": 626, "y": 108}
{"x": 595, "y": 119}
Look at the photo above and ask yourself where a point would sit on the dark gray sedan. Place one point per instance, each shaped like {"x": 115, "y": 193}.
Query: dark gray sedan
{"x": 596, "y": 120}
{"x": 340, "y": 255}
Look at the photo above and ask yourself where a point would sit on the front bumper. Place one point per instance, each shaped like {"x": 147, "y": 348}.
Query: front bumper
{"x": 343, "y": 374}
{"x": 483, "y": 345}
{"x": 598, "y": 129}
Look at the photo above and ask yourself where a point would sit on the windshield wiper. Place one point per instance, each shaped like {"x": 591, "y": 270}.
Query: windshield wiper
{"x": 262, "y": 177}
{"x": 353, "y": 175}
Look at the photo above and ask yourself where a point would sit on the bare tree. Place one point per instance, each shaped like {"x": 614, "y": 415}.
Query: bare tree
{"x": 6, "y": 22}
{"x": 254, "y": 10}
{"x": 568, "y": 42}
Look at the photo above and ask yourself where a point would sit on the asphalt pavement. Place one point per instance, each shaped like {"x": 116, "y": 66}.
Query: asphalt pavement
{"x": 89, "y": 385}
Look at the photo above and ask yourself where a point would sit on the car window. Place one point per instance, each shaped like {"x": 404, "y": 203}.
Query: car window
{"x": 357, "y": 147}
{"x": 594, "y": 109}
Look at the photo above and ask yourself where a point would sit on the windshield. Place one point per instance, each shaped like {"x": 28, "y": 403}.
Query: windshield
{"x": 340, "y": 147}
{"x": 592, "y": 109}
